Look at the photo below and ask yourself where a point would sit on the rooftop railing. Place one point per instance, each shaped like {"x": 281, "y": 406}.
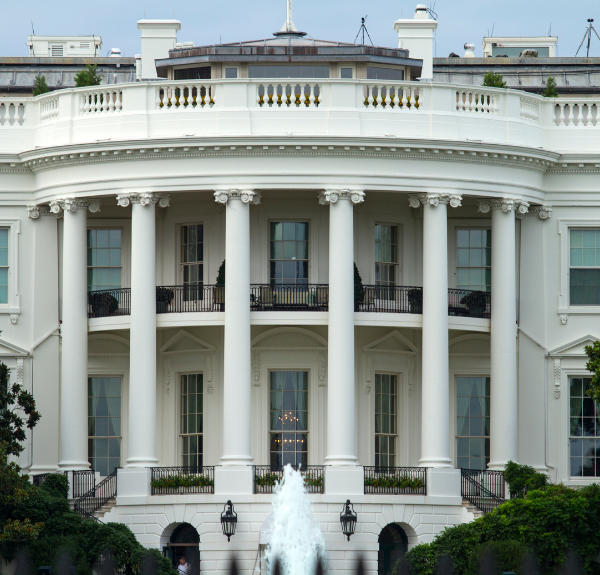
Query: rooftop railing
{"x": 270, "y": 107}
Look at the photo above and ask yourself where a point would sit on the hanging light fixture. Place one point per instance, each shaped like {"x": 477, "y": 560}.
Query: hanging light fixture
{"x": 228, "y": 520}
{"x": 348, "y": 519}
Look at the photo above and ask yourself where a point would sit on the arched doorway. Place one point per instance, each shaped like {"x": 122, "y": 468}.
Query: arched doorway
{"x": 184, "y": 542}
{"x": 393, "y": 544}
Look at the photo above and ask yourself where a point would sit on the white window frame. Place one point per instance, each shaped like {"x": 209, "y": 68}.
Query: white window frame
{"x": 179, "y": 269}
{"x": 453, "y": 227}
{"x": 455, "y": 250}
{"x": 13, "y": 306}
{"x": 125, "y": 227}
{"x": 405, "y": 275}
{"x": 387, "y": 67}
{"x": 396, "y": 436}
{"x": 398, "y": 268}
{"x": 564, "y": 297}
{"x": 227, "y": 67}
{"x": 352, "y": 66}
{"x": 178, "y": 414}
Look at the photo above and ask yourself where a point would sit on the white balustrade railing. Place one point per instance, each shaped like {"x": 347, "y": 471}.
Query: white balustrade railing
{"x": 99, "y": 100}
{"x": 393, "y": 96}
{"x": 185, "y": 96}
{"x": 48, "y": 109}
{"x": 477, "y": 100}
{"x": 12, "y": 111}
{"x": 293, "y": 94}
{"x": 579, "y": 113}
{"x": 530, "y": 109}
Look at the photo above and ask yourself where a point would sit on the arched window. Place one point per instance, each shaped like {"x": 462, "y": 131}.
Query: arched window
{"x": 184, "y": 542}
{"x": 393, "y": 544}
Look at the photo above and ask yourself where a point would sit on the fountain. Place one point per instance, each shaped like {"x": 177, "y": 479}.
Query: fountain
{"x": 296, "y": 540}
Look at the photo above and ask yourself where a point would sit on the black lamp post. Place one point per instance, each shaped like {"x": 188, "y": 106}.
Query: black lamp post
{"x": 348, "y": 519}
{"x": 228, "y": 520}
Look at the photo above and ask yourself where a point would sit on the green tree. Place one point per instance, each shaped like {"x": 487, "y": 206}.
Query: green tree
{"x": 593, "y": 365}
{"x": 359, "y": 290}
{"x": 493, "y": 80}
{"x": 523, "y": 478}
{"x": 221, "y": 275}
{"x": 550, "y": 90}
{"x": 40, "y": 86}
{"x": 88, "y": 76}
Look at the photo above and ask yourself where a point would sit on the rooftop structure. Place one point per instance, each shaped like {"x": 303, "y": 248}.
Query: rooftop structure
{"x": 505, "y": 47}
{"x": 64, "y": 46}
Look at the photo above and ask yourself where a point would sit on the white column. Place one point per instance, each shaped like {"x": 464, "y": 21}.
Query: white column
{"x": 435, "y": 410}
{"x": 237, "y": 363}
{"x": 341, "y": 386}
{"x": 504, "y": 421}
{"x": 74, "y": 357}
{"x": 142, "y": 344}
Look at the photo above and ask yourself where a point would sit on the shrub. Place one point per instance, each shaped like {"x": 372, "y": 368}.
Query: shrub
{"x": 393, "y": 482}
{"x": 57, "y": 485}
{"x": 550, "y": 90}
{"x": 496, "y": 557}
{"x": 359, "y": 290}
{"x": 176, "y": 481}
{"x": 522, "y": 478}
{"x": 221, "y": 275}
{"x": 493, "y": 80}
{"x": 88, "y": 76}
{"x": 40, "y": 86}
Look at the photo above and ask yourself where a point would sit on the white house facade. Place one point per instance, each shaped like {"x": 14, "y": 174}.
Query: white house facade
{"x": 471, "y": 214}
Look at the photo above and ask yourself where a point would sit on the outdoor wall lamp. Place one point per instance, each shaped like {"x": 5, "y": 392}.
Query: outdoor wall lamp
{"x": 228, "y": 520}
{"x": 348, "y": 519}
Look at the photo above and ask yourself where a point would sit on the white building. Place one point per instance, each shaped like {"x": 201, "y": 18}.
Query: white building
{"x": 292, "y": 159}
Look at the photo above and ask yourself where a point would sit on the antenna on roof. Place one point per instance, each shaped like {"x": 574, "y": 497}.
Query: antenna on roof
{"x": 32, "y": 29}
{"x": 363, "y": 30}
{"x": 588, "y": 33}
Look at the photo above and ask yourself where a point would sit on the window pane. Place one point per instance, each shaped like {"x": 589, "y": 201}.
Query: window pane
{"x": 473, "y": 421}
{"x": 584, "y": 432}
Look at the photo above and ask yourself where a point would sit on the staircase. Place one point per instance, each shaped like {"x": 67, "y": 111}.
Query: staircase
{"x": 482, "y": 491}
{"x": 99, "y": 500}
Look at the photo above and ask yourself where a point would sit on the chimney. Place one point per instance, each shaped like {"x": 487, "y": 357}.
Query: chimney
{"x": 416, "y": 36}
{"x": 158, "y": 37}
{"x": 469, "y": 50}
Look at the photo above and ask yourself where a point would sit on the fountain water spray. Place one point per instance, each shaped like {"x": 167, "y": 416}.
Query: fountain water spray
{"x": 296, "y": 539}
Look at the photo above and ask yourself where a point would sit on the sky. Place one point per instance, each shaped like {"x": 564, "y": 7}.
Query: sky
{"x": 211, "y": 21}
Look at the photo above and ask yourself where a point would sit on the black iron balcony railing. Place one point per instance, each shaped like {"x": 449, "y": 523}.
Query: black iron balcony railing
{"x": 483, "y": 489}
{"x": 179, "y": 480}
{"x": 83, "y": 481}
{"x": 308, "y": 297}
{"x": 267, "y": 476}
{"x": 396, "y": 480}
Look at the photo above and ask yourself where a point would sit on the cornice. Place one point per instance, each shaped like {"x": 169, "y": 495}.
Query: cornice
{"x": 453, "y": 151}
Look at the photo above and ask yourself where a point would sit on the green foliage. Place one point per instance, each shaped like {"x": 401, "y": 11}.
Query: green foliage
{"x": 141, "y": 559}
{"x": 550, "y": 90}
{"x": 56, "y": 484}
{"x": 359, "y": 290}
{"x": 393, "y": 482}
{"x": 271, "y": 479}
{"x": 221, "y": 275}
{"x": 475, "y": 300}
{"x": 40, "y": 86}
{"x": 88, "y": 76}
{"x": 504, "y": 556}
{"x": 522, "y": 478}
{"x": 493, "y": 80}
{"x": 15, "y": 403}
{"x": 551, "y": 522}
{"x": 175, "y": 481}
{"x": 593, "y": 365}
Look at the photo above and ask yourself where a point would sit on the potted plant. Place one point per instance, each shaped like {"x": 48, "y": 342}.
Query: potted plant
{"x": 219, "y": 289}
{"x": 415, "y": 300}
{"x": 103, "y": 304}
{"x": 359, "y": 290}
{"x": 476, "y": 302}
{"x": 164, "y": 297}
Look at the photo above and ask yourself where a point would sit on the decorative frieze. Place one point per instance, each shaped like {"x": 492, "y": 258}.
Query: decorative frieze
{"x": 144, "y": 199}
{"x": 505, "y": 204}
{"x": 333, "y": 196}
{"x": 417, "y": 200}
{"x": 246, "y": 196}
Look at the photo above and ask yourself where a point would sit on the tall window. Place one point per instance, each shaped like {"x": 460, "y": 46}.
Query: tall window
{"x": 3, "y": 266}
{"x": 474, "y": 261}
{"x": 104, "y": 259}
{"x": 473, "y": 422}
{"x": 386, "y": 420}
{"x": 386, "y": 254}
{"x": 289, "y": 253}
{"x": 192, "y": 254}
{"x": 104, "y": 423}
{"x": 191, "y": 420}
{"x": 585, "y": 267}
{"x": 289, "y": 418}
{"x": 584, "y": 430}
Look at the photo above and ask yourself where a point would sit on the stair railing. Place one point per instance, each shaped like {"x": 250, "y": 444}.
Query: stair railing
{"x": 474, "y": 491}
{"x": 96, "y": 497}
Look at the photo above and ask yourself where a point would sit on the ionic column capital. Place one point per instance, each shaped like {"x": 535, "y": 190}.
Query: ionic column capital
{"x": 246, "y": 196}
{"x": 333, "y": 196}
{"x": 434, "y": 200}
{"x": 35, "y": 212}
{"x": 507, "y": 205}
{"x": 543, "y": 212}
{"x": 144, "y": 199}
{"x": 68, "y": 205}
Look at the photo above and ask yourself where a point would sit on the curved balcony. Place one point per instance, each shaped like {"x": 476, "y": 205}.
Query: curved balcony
{"x": 201, "y": 298}
{"x": 330, "y": 108}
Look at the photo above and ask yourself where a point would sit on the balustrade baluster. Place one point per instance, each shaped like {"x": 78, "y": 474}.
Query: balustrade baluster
{"x": 405, "y": 104}
{"x": 562, "y": 120}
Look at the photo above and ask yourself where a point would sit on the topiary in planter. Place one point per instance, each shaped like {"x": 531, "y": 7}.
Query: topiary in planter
{"x": 415, "y": 300}
{"x": 476, "y": 302}
{"x": 359, "y": 290}
{"x": 103, "y": 304}
{"x": 164, "y": 297}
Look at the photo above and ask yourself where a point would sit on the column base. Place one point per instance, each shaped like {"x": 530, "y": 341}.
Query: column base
{"x": 341, "y": 460}
{"x": 444, "y": 483}
{"x": 437, "y": 462}
{"x": 344, "y": 480}
{"x": 133, "y": 482}
{"x": 73, "y": 466}
{"x": 236, "y": 460}
{"x": 234, "y": 480}
{"x": 498, "y": 465}
{"x": 139, "y": 463}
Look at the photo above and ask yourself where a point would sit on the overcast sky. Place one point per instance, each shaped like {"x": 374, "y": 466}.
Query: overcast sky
{"x": 208, "y": 22}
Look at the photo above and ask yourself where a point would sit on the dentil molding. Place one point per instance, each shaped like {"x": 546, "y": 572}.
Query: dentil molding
{"x": 417, "y": 200}
{"x": 333, "y": 196}
{"x": 505, "y": 204}
{"x": 246, "y": 196}
{"x": 144, "y": 199}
